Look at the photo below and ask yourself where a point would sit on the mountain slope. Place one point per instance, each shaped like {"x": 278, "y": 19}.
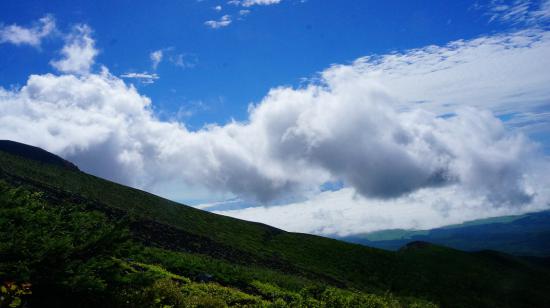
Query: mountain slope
{"x": 253, "y": 258}
{"x": 34, "y": 153}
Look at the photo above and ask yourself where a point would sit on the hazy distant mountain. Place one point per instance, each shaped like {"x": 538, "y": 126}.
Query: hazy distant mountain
{"x": 523, "y": 235}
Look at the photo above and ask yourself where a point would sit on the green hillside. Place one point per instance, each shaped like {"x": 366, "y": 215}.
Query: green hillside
{"x": 71, "y": 239}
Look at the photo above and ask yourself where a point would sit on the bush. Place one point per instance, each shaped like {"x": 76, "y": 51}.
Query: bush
{"x": 59, "y": 249}
{"x": 14, "y": 295}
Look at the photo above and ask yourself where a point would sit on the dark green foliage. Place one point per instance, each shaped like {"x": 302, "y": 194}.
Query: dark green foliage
{"x": 39, "y": 241}
{"x": 72, "y": 255}
{"x": 58, "y": 248}
{"x": 13, "y": 294}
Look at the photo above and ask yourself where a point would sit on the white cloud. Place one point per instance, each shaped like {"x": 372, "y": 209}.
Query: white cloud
{"x": 517, "y": 12}
{"x": 156, "y": 57}
{"x": 142, "y": 77}
{"x": 244, "y": 12}
{"x": 78, "y": 53}
{"x": 359, "y": 124}
{"x": 218, "y": 8}
{"x": 249, "y": 3}
{"x": 494, "y": 72}
{"x": 504, "y": 73}
{"x": 224, "y": 21}
{"x": 32, "y": 36}
{"x": 543, "y": 13}
{"x": 343, "y": 213}
{"x": 184, "y": 60}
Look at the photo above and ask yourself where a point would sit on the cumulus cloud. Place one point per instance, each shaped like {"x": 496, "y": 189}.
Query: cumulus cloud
{"x": 156, "y": 58}
{"x": 357, "y": 134}
{"x": 32, "y": 36}
{"x": 224, "y": 21}
{"x": 79, "y": 52}
{"x": 360, "y": 124}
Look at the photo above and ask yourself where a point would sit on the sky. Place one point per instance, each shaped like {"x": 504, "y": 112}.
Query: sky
{"x": 316, "y": 116}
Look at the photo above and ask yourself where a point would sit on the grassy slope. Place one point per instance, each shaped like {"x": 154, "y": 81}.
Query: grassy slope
{"x": 62, "y": 253}
{"x": 446, "y": 276}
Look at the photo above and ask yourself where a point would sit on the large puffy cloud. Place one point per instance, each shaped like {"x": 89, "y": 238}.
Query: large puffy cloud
{"x": 108, "y": 128}
{"x": 358, "y": 124}
{"x": 295, "y": 140}
{"x": 357, "y": 134}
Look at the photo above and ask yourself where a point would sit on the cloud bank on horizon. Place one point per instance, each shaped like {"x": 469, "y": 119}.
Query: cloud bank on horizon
{"x": 412, "y": 139}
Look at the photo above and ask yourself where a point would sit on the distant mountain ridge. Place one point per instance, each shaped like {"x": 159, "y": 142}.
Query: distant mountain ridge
{"x": 522, "y": 235}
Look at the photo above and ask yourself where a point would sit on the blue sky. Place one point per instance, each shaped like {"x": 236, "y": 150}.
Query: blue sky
{"x": 227, "y": 68}
{"x": 327, "y": 117}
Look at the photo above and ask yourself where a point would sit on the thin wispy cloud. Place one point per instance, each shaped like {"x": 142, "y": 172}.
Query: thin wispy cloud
{"x": 492, "y": 72}
{"x": 33, "y": 36}
{"x": 156, "y": 58}
{"x": 184, "y": 60}
{"x": 543, "y": 12}
{"x": 245, "y": 6}
{"x": 249, "y": 3}
{"x": 516, "y": 12}
{"x": 144, "y": 77}
{"x": 224, "y": 21}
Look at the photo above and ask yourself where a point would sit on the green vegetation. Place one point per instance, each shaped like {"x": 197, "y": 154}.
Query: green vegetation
{"x": 61, "y": 251}
{"x": 70, "y": 239}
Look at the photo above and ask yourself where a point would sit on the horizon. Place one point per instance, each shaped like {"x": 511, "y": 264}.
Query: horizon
{"x": 346, "y": 119}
